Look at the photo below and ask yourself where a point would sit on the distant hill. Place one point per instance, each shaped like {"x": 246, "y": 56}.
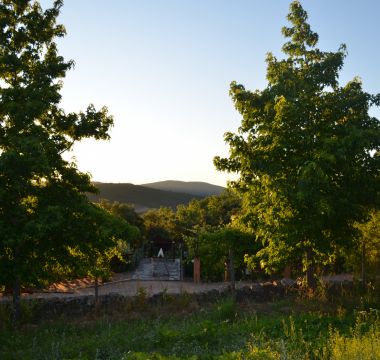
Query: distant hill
{"x": 142, "y": 197}
{"x": 191, "y": 187}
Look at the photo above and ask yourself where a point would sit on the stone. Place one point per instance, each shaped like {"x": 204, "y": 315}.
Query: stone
{"x": 288, "y": 282}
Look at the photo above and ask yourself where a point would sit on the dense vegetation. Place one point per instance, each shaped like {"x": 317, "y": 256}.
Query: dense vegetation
{"x": 307, "y": 153}
{"x": 142, "y": 197}
{"x": 48, "y": 228}
{"x": 189, "y": 187}
{"x": 296, "y": 329}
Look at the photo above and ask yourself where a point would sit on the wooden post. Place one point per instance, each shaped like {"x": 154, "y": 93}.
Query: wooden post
{"x": 310, "y": 271}
{"x": 363, "y": 274}
{"x": 197, "y": 270}
{"x": 96, "y": 292}
{"x": 16, "y": 306}
{"x": 231, "y": 269}
{"x": 180, "y": 262}
{"x": 287, "y": 273}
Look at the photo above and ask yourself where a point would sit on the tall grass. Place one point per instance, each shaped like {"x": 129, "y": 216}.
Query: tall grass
{"x": 225, "y": 330}
{"x": 364, "y": 341}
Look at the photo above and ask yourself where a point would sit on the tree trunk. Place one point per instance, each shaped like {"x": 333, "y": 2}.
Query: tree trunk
{"x": 197, "y": 270}
{"x": 231, "y": 269}
{"x": 96, "y": 292}
{"x": 16, "y": 305}
{"x": 310, "y": 271}
{"x": 287, "y": 273}
{"x": 363, "y": 274}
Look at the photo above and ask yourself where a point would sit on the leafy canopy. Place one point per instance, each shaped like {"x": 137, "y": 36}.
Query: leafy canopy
{"x": 44, "y": 213}
{"x": 307, "y": 151}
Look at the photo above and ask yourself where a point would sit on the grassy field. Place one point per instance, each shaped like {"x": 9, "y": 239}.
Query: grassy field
{"x": 288, "y": 329}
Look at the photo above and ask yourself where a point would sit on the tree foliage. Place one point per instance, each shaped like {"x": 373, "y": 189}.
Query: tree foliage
{"x": 44, "y": 213}
{"x": 161, "y": 224}
{"x": 209, "y": 232}
{"x": 213, "y": 246}
{"x": 364, "y": 257}
{"x": 307, "y": 151}
{"x": 212, "y": 212}
{"x": 128, "y": 213}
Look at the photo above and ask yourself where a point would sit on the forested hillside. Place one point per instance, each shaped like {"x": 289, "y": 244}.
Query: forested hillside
{"x": 189, "y": 187}
{"x": 142, "y": 197}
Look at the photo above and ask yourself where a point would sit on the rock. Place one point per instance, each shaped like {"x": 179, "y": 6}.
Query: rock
{"x": 288, "y": 282}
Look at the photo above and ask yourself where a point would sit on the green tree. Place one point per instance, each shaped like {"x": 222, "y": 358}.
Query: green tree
{"x": 221, "y": 250}
{"x": 212, "y": 212}
{"x": 101, "y": 235}
{"x": 161, "y": 226}
{"x": 365, "y": 255}
{"x": 209, "y": 232}
{"x": 128, "y": 252}
{"x": 307, "y": 152}
{"x": 42, "y": 196}
{"x": 128, "y": 213}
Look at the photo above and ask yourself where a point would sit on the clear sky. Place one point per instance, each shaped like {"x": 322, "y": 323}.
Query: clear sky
{"x": 163, "y": 68}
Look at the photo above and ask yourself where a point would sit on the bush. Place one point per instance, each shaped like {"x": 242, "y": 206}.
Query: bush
{"x": 363, "y": 344}
{"x": 225, "y": 310}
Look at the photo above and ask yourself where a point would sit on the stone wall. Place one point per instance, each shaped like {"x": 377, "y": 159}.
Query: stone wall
{"x": 75, "y": 306}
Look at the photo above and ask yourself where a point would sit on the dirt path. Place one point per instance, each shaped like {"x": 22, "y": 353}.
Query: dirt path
{"x": 122, "y": 284}
{"x": 130, "y": 288}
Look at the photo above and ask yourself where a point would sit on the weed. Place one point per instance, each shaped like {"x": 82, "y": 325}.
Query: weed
{"x": 224, "y": 331}
{"x": 225, "y": 310}
{"x": 255, "y": 353}
{"x": 140, "y": 301}
{"x": 5, "y": 312}
{"x": 364, "y": 342}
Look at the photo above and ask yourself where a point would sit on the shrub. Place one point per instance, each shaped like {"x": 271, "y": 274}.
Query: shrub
{"x": 364, "y": 342}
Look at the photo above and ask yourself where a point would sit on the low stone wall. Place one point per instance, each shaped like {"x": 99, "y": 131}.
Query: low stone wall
{"x": 47, "y": 308}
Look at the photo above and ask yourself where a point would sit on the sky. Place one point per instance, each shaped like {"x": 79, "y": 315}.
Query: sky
{"x": 163, "y": 69}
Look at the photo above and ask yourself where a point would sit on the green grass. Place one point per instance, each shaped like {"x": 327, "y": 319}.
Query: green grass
{"x": 221, "y": 331}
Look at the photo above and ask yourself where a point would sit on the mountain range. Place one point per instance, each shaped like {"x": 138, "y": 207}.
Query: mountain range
{"x": 189, "y": 187}
{"x": 154, "y": 195}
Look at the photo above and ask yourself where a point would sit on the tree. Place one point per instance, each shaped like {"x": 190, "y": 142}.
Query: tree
{"x": 161, "y": 227}
{"x": 307, "y": 152}
{"x": 365, "y": 255}
{"x": 212, "y": 212}
{"x": 221, "y": 249}
{"x": 128, "y": 252}
{"x": 129, "y": 214}
{"x": 42, "y": 196}
{"x": 102, "y": 233}
{"x": 209, "y": 232}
